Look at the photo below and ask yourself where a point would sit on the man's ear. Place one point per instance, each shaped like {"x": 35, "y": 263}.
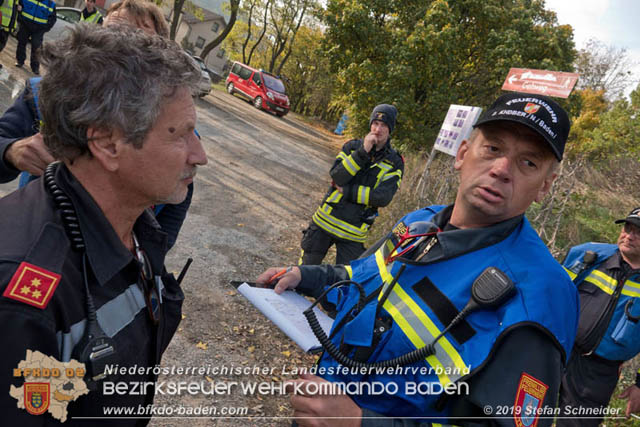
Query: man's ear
{"x": 106, "y": 146}
{"x": 546, "y": 185}
{"x": 462, "y": 151}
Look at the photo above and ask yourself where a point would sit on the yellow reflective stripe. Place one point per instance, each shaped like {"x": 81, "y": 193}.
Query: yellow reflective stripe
{"x": 324, "y": 221}
{"x": 416, "y": 341}
{"x": 325, "y": 212}
{"x": 37, "y": 3}
{"x": 390, "y": 175}
{"x": 334, "y": 197}
{"x": 631, "y": 288}
{"x": 403, "y": 300}
{"x": 363, "y": 195}
{"x": 349, "y": 271}
{"x": 570, "y": 273}
{"x": 301, "y": 255}
{"x": 348, "y": 163}
{"x": 601, "y": 280}
{"x": 426, "y": 322}
{"x": 384, "y": 273}
{"x": 33, "y": 18}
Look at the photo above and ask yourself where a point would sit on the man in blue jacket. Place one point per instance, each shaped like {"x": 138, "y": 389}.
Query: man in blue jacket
{"x": 502, "y": 364}
{"x": 608, "y": 279}
{"x": 36, "y": 18}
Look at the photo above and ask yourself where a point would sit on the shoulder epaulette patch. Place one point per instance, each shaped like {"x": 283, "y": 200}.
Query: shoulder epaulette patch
{"x": 529, "y": 400}
{"x": 32, "y": 285}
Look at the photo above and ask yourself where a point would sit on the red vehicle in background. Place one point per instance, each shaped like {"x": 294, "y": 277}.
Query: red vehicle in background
{"x": 265, "y": 90}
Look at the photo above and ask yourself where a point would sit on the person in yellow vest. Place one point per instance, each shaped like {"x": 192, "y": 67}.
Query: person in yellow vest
{"x": 8, "y": 9}
{"x": 90, "y": 13}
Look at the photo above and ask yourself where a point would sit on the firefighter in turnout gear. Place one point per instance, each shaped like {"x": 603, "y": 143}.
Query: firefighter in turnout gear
{"x": 366, "y": 175}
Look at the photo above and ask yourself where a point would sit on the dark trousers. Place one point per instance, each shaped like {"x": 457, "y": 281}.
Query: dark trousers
{"x": 316, "y": 242}
{"x": 588, "y": 383}
{"x": 4, "y": 37}
{"x": 24, "y": 36}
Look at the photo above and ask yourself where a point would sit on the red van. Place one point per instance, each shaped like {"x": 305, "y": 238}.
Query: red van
{"x": 266, "y": 91}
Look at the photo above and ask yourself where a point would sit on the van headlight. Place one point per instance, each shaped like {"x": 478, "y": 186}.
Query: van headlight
{"x": 270, "y": 95}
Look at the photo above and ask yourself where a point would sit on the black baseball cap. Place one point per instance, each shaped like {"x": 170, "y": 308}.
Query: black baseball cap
{"x": 538, "y": 112}
{"x": 632, "y": 218}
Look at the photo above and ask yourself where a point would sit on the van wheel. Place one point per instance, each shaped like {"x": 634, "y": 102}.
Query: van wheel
{"x": 258, "y": 103}
{"x": 230, "y": 88}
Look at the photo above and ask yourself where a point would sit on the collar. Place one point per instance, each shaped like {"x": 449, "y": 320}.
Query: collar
{"x": 386, "y": 148}
{"x": 459, "y": 241}
{"x": 106, "y": 253}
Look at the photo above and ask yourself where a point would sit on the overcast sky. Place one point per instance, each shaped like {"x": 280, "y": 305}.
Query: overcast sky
{"x": 614, "y": 22}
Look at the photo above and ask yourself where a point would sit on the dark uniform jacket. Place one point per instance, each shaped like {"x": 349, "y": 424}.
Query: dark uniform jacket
{"x": 33, "y": 233}
{"x": 369, "y": 181}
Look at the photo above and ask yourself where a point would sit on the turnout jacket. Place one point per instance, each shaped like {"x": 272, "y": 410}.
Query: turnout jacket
{"x": 33, "y": 233}
{"x": 503, "y": 354}
{"x": 609, "y": 302}
{"x": 368, "y": 181}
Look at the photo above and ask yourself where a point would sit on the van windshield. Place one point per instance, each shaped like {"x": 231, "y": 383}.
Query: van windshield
{"x": 273, "y": 83}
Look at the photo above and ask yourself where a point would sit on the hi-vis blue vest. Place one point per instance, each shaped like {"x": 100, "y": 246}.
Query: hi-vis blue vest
{"x": 37, "y": 11}
{"x": 621, "y": 341}
{"x": 545, "y": 299}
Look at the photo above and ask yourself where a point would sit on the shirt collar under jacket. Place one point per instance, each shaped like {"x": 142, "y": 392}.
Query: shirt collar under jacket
{"x": 105, "y": 251}
{"x": 459, "y": 241}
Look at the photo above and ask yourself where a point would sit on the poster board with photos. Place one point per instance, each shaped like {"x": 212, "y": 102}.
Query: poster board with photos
{"x": 456, "y": 127}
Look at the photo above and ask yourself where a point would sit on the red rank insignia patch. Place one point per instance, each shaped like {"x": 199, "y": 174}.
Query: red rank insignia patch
{"x": 36, "y": 397}
{"x": 32, "y": 285}
{"x": 529, "y": 398}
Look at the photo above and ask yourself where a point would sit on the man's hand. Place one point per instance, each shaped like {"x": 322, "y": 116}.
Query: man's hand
{"x": 289, "y": 280}
{"x": 312, "y": 408}
{"x": 369, "y": 141}
{"x": 29, "y": 154}
{"x": 633, "y": 394}
{"x": 340, "y": 190}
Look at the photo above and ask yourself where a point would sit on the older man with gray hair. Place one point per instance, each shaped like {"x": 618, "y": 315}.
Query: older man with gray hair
{"x": 82, "y": 271}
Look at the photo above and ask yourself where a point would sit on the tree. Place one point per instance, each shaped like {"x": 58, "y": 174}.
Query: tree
{"x": 423, "y": 55}
{"x": 178, "y": 5}
{"x": 605, "y": 68}
{"x": 270, "y": 32}
{"x": 223, "y": 35}
{"x": 310, "y": 85}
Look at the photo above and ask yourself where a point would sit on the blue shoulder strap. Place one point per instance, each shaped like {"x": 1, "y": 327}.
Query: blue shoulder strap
{"x": 34, "y": 85}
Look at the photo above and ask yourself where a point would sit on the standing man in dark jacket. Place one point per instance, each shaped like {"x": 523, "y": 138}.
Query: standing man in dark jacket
{"x": 608, "y": 279}
{"x": 366, "y": 176}
{"x": 36, "y": 18}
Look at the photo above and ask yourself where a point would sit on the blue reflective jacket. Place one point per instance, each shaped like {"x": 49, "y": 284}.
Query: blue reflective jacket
{"x": 545, "y": 299}
{"x": 621, "y": 340}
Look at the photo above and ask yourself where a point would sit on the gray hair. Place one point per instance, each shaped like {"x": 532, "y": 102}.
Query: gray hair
{"x": 114, "y": 77}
